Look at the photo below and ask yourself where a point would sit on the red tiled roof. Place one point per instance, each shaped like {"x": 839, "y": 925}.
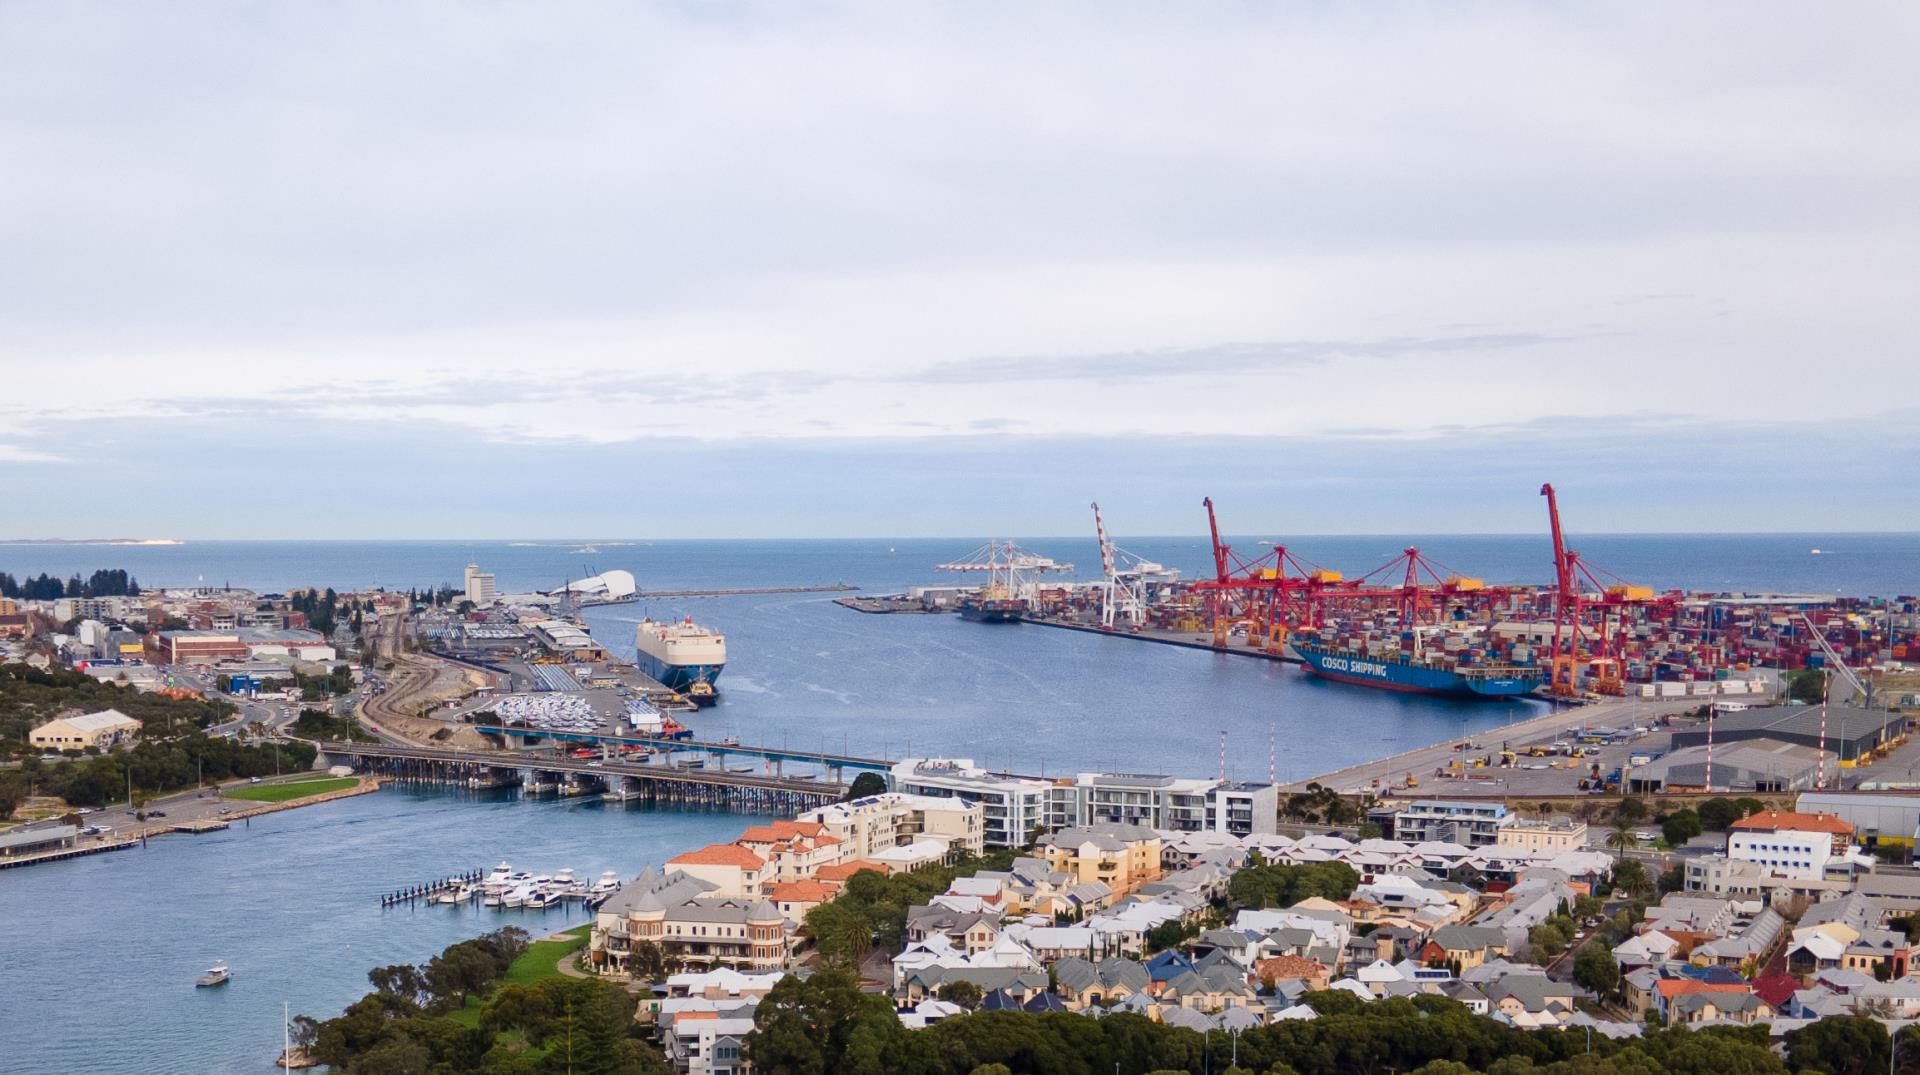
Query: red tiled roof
{"x": 801, "y": 891}
{"x": 1777, "y": 820}
{"x": 1674, "y": 987}
{"x": 843, "y": 870}
{"x": 719, "y": 855}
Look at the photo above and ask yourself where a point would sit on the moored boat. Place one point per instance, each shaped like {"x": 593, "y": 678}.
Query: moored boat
{"x": 218, "y": 974}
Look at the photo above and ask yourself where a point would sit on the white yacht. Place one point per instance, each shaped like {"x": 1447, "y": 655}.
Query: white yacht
{"x": 516, "y": 896}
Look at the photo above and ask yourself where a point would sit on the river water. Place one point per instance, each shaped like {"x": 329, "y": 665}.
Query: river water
{"x": 110, "y": 944}
{"x": 101, "y": 952}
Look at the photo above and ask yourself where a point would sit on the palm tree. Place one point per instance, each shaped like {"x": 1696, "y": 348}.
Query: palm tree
{"x": 1621, "y": 839}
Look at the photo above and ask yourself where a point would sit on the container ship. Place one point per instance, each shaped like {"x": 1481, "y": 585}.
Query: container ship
{"x": 680, "y": 655}
{"x": 1455, "y": 672}
{"x": 984, "y": 609}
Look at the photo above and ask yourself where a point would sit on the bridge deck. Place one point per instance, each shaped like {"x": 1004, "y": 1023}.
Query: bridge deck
{"x": 781, "y": 754}
{"x": 591, "y": 767}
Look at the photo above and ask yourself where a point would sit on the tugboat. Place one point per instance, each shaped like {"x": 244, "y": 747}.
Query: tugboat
{"x": 218, "y": 974}
{"x": 701, "y": 694}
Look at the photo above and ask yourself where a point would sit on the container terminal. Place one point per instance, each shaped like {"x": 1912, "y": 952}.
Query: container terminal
{"x": 1418, "y": 626}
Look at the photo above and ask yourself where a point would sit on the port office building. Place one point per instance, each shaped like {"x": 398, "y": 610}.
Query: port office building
{"x": 1013, "y": 807}
{"x": 1850, "y": 733}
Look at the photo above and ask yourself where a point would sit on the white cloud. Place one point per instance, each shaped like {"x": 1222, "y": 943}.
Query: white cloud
{"x": 601, "y": 223}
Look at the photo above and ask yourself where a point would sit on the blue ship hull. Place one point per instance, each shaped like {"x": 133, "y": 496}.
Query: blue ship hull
{"x": 677, "y": 676}
{"x": 1414, "y": 678}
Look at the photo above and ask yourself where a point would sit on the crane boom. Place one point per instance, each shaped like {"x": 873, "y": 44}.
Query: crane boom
{"x": 1562, "y": 566}
{"x": 1833, "y": 658}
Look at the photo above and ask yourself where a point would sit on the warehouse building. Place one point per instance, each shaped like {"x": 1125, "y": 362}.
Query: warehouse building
{"x": 1757, "y": 765}
{"x": 102, "y": 730}
{"x": 1878, "y": 819}
{"x": 1850, "y": 733}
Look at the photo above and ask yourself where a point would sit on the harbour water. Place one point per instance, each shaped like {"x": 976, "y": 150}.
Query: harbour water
{"x": 291, "y": 901}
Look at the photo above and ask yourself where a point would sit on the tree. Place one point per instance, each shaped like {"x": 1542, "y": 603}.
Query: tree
{"x": 1621, "y": 839}
{"x": 1595, "y": 968}
{"x": 1680, "y": 826}
{"x": 401, "y": 980}
{"x": 866, "y": 784}
{"x": 1634, "y": 810}
{"x": 1839, "y": 1045}
{"x": 1717, "y": 813}
{"x": 1673, "y": 879}
{"x": 1806, "y": 685}
{"x": 13, "y": 792}
{"x": 582, "y": 1023}
{"x": 645, "y": 962}
{"x": 1547, "y": 942}
{"x": 964, "y": 993}
{"x": 842, "y": 935}
{"x": 1630, "y": 877}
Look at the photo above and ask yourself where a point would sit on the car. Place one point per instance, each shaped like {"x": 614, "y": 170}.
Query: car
{"x": 156, "y": 813}
{"x": 253, "y": 780}
{"x": 84, "y": 811}
{"x": 226, "y": 809}
{"x": 1646, "y": 837}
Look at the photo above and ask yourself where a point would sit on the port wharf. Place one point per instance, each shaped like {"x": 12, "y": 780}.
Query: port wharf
{"x": 1183, "y": 639}
{"x": 626, "y": 781}
{"x": 748, "y": 591}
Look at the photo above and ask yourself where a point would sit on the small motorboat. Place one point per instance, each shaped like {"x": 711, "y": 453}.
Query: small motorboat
{"x": 218, "y": 974}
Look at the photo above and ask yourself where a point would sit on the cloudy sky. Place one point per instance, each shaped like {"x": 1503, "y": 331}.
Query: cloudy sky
{"x": 733, "y": 269}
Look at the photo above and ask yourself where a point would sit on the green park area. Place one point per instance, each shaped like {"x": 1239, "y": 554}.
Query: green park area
{"x": 540, "y": 960}
{"x": 292, "y": 789}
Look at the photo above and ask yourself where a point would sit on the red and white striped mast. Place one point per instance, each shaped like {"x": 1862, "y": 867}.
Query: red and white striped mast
{"x": 1713, "y": 707}
{"x": 1820, "y": 769}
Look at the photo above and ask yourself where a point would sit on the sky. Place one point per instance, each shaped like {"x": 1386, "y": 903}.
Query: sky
{"x": 739, "y": 269}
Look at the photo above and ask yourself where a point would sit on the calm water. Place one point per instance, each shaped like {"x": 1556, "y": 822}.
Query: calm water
{"x": 290, "y": 901}
{"x": 102, "y": 951}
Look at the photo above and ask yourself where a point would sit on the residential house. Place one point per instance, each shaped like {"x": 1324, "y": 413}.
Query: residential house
{"x": 1118, "y": 855}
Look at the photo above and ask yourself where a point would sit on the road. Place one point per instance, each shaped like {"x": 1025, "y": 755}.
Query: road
{"x": 1612, "y": 713}
{"x": 178, "y": 807}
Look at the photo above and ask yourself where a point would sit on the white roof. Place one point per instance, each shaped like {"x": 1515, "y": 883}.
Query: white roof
{"x": 105, "y": 720}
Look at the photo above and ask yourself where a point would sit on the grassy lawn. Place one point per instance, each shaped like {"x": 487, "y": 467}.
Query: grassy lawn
{"x": 296, "y": 789}
{"x": 540, "y": 960}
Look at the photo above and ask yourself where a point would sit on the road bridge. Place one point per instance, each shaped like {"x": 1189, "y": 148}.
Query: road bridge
{"x": 778, "y": 757}
{"x": 628, "y": 779}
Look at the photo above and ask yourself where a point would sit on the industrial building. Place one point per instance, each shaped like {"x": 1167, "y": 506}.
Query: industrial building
{"x": 1850, "y": 733}
{"x": 100, "y": 731}
{"x": 1758, "y": 765}
{"x": 1884, "y": 819}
